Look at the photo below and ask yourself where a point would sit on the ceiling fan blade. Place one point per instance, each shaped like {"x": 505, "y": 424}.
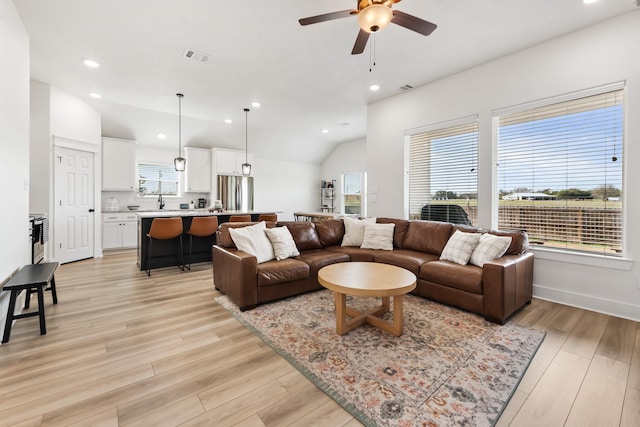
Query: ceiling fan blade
{"x": 413, "y": 23}
{"x": 361, "y": 43}
{"x": 327, "y": 17}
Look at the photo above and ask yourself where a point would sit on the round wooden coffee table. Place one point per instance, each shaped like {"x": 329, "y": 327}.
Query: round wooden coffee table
{"x": 368, "y": 279}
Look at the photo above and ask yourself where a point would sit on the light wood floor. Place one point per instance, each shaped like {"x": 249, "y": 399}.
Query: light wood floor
{"x": 125, "y": 349}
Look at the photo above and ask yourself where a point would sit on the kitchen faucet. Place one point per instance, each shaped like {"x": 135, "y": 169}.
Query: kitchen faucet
{"x": 161, "y": 201}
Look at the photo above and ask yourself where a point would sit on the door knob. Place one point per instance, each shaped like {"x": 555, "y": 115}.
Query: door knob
{"x": 91, "y": 210}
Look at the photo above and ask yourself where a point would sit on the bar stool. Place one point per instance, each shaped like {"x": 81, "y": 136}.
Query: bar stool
{"x": 165, "y": 229}
{"x": 240, "y": 218}
{"x": 268, "y": 217}
{"x": 201, "y": 226}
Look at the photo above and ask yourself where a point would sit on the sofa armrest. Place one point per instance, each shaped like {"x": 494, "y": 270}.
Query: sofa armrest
{"x": 235, "y": 274}
{"x": 507, "y": 285}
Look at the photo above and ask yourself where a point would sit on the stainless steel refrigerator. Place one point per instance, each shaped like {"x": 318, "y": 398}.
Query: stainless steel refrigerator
{"x": 236, "y": 192}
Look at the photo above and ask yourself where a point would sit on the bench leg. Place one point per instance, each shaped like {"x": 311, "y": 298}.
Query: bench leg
{"x": 43, "y": 326}
{"x": 54, "y": 294}
{"x": 12, "y": 309}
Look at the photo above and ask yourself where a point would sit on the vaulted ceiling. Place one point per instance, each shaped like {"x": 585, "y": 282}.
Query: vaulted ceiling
{"x": 304, "y": 77}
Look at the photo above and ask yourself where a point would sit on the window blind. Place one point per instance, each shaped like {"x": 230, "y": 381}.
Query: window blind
{"x": 154, "y": 179}
{"x": 560, "y": 172}
{"x": 443, "y": 170}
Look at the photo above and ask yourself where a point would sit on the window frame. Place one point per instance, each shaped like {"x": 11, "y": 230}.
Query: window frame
{"x": 158, "y": 165}
{"x": 471, "y": 120}
{"x": 362, "y": 194}
{"x": 616, "y": 261}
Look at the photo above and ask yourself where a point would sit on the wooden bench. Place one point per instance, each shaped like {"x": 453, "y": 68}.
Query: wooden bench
{"x": 30, "y": 278}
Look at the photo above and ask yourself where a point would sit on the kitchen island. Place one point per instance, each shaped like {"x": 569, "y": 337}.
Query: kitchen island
{"x": 166, "y": 252}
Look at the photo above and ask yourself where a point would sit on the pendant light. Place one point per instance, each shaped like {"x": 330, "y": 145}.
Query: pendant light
{"x": 246, "y": 167}
{"x": 180, "y": 162}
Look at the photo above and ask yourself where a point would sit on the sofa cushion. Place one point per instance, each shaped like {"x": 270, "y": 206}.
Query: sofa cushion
{"x": 489, "y": 247}
{"x": 304, "y": 234}
{"x": 427, "y": 236}
{"x": 407, "y": 259}
{"x": 253, "y": 240}
{"x": 354, "y": 230}
{"x": 459, "y": 247}
{"x": 286, "y": 270}
{"x": 355, "y": 253}
{"x": 330, "y": 231}
{"x": 319, "y": 258}
{"x": 223, "y": 238}
{"x": 400, "y": 230}
{"x": 519, "y": 241}
{"x": 378, "y": 236}
{"x": 282, "y": 242}
{"x": 466, "y": 278}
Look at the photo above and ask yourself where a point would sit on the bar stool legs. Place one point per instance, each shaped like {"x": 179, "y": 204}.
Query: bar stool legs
{"x": 165, "y": 229}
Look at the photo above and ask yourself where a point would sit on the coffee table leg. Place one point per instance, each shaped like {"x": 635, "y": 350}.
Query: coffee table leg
{"x": 398, "y": 315}
{"x": 341, "y": 313}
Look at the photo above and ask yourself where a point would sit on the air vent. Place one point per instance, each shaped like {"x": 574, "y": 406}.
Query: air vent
{"x": 196, "y": 55}
{"x": 408, "y": 87}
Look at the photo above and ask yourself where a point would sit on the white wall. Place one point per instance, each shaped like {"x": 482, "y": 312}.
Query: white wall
{"x": 597, "y": 55}
{"x": 60, "y": 118}
{"x": 349, "y": 156}
{"x": 14, "y": 146}
{"x": 285, "y": 187}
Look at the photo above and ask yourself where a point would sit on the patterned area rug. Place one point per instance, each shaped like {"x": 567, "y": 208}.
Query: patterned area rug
{"x": 450, "y": 368}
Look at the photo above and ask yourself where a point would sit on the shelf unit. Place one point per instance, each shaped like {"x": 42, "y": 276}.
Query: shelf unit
{"x": 328, "y": 196}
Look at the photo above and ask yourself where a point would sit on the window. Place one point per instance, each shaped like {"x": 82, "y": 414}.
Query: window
{"x": 443, "y": 173}
{"x": 560, "y": 171}
{"x": 353, "y": 202}
{"x": 154, "y": 179}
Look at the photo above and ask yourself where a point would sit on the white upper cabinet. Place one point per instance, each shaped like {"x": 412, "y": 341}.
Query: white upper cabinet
{"x": 118, "y": 164}
{"x": 198, "y": 170}
{"x": 229, "y": 162}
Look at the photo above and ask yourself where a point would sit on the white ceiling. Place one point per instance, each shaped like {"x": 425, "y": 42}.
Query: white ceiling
{"x": 305, "y": 77}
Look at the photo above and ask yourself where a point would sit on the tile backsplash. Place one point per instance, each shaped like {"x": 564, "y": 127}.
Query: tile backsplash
{"x": 125, "y": 198}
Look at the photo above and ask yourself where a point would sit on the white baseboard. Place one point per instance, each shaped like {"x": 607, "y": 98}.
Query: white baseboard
{"x": 589, "y": 302}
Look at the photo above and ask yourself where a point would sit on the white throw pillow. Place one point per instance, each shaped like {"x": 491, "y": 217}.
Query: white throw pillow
{"x": 378, "y": 236}
{"x": 354, "y": 230}
{"x": 489, "y": 247}
{"x": 253, "y": 240}
{"x": 459, "y": 247}
{"x": 282, "y": 241}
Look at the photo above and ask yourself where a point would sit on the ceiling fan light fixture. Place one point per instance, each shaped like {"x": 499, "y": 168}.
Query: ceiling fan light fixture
{"x": 374, "y": 17}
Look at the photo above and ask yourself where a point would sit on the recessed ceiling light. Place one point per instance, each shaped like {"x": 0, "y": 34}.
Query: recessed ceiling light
{"x": 589, "y": 1}
{"x": 95, "y": 95}
{"x": 228, "y": 121}
{"x": 162, "y": 136}
{"x": 91, "y": 63}
{"x": 374, "y": 87}
{"x": 325, "y": 130}
{"x": 255, "y": 104}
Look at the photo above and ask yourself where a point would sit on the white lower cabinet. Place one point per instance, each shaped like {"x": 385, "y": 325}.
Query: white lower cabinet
{"x": 119, "y": 230}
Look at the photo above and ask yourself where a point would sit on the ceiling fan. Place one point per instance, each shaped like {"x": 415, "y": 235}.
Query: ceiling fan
{"x": 373, "y": 16}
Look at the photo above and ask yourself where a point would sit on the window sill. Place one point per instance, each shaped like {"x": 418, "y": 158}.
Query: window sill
{"x": 582, "y": 259}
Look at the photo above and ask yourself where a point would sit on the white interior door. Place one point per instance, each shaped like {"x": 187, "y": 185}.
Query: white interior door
{"x": 74, "y": 202}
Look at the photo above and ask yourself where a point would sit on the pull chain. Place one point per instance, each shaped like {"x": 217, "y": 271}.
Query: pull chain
{"x": 372, "y": 53}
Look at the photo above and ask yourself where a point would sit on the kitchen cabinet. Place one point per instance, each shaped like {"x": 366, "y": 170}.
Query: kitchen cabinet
{"x": 198, "y": 171}
{"x": 229, "y": 162}
{"x": 118, "y": 164}
{"x": 119, "y": 230}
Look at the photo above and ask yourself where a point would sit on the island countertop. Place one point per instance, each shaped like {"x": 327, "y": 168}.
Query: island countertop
{"x": 195, "y": 212}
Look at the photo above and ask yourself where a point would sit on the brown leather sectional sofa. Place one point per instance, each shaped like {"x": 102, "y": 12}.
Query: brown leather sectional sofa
{"x": 495, "y": 291}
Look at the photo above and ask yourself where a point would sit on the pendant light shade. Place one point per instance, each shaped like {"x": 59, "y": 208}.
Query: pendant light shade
{"x": 246, "y": 167}
{"x": 180, "y": 162}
